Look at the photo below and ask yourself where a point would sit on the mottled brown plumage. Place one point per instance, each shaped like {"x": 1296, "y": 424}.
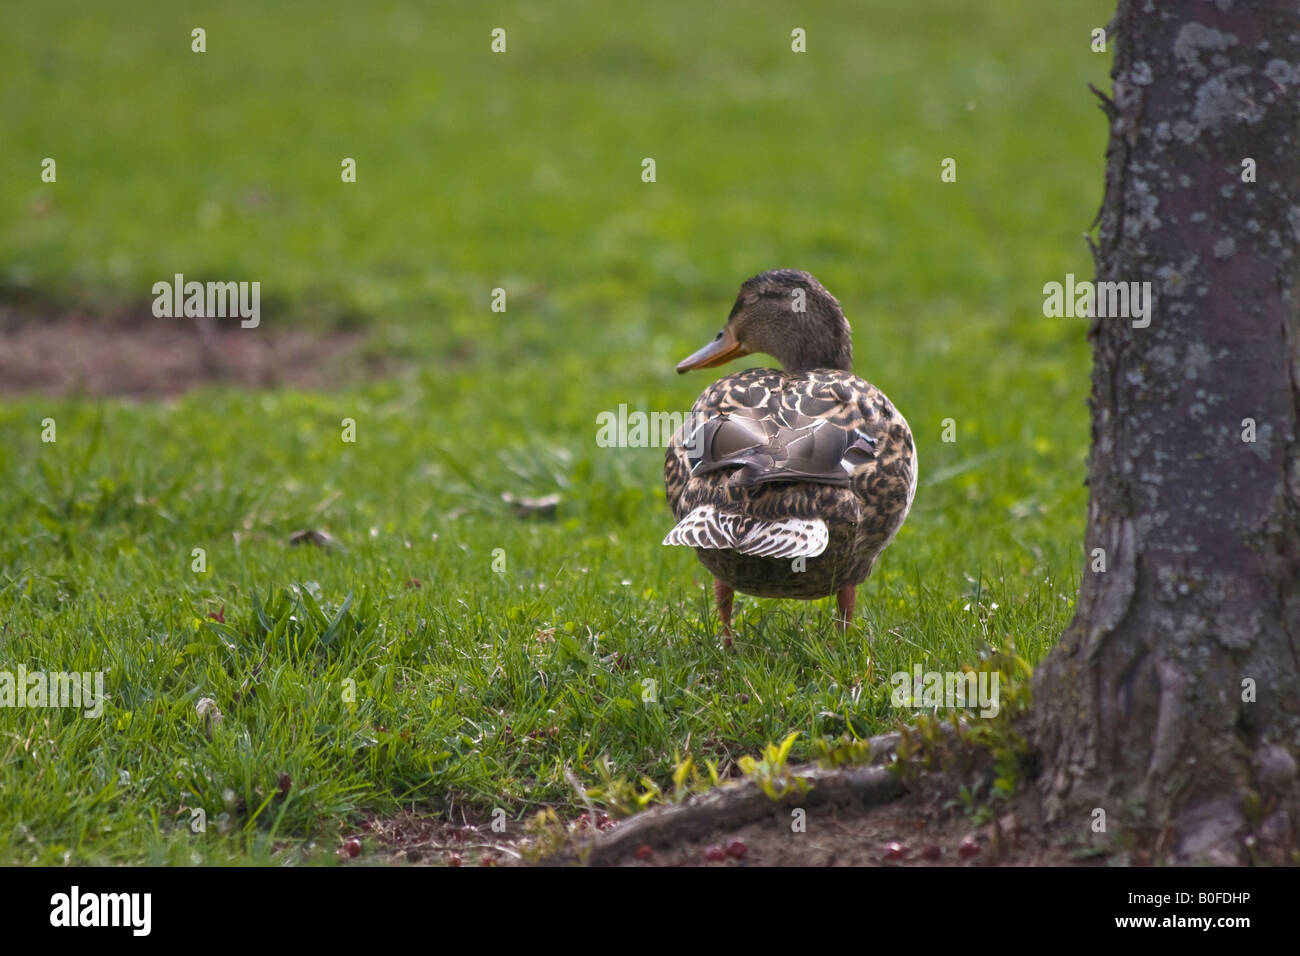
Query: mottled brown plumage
{"x": 715, "y": 504}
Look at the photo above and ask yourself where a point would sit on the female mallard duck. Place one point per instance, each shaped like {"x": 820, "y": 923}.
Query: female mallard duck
{"x": 788, "y": 483}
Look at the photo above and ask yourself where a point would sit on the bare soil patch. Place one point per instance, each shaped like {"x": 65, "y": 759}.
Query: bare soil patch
{"x": 906, "y": 833}
{"x": 923, "y": 826}
{"x": 411, "y": 839}
{"x": 133, "y": 353}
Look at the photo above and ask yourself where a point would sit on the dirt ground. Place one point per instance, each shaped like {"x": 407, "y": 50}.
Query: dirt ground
{"x": 133, "y": 353}
{"x": 907, "y": 832}
{"x": 922, "y": 828}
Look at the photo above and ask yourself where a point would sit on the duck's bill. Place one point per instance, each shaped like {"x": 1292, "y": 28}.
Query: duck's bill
{"x": 722, "y": 349}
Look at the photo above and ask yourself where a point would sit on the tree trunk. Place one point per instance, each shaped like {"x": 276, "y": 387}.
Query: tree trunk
{"x": 1173, "y": 702}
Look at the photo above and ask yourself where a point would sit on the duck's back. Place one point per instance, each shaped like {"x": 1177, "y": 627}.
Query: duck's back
{"x": 861, "y": 516}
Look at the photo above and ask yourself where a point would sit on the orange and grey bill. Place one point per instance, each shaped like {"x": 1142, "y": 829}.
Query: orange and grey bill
{"x": 722, "y": 349}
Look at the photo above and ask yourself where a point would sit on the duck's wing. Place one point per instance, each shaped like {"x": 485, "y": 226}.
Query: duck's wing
{"x": 755, "y": 389}
{"x": 884, "y": 481}
{"x": 708, "y": 526}
{"x": 760, "y": 446}
{"x": 870, "y": 445}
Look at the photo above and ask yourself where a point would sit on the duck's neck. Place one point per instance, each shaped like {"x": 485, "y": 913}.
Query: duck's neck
{"x": 805, "y": 353}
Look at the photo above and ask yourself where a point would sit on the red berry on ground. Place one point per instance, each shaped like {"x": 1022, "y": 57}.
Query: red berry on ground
{"x": 352, "y": 847}
{"x": 967, "y": 848}
{"x": 895, "y": 851}
{"x": 737, "y": 849}
{"x": 715, "y": 854}
{"x": 643, "y": 852}
{"x": 932, "y": 852}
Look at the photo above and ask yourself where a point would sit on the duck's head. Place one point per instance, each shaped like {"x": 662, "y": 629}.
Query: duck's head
{"x": 787, "y": 314}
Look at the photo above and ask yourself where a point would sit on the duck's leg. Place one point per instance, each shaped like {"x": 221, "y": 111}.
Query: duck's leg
{"x": 724, "y": 595}
{"x": 846, "y": 597}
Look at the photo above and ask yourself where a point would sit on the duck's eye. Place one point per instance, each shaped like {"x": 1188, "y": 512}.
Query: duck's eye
{"x": 716, "y": 337}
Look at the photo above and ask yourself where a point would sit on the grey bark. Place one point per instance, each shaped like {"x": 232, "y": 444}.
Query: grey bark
{"x": 1140, "y": 711}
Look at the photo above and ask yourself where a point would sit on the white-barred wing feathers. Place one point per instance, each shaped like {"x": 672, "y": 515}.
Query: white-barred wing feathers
{"x": 706, "y": 527}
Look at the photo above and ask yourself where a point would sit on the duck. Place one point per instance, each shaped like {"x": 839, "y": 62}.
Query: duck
{"x": 789, "y": 482}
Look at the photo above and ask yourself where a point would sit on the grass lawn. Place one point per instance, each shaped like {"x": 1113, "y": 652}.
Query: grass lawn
{"x": 476, "y": 687}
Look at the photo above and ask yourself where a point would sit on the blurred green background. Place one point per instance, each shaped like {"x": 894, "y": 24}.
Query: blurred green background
{"x": 521, "y": 171}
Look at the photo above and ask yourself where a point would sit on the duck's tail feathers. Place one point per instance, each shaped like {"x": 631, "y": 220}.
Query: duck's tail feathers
{"x": 706, "y": 527}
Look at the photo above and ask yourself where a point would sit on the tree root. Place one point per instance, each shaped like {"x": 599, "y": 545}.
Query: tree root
{"x": 736, "y": 804}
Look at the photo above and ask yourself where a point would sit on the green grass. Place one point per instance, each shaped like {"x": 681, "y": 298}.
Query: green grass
{"x": 520, "y": 171}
